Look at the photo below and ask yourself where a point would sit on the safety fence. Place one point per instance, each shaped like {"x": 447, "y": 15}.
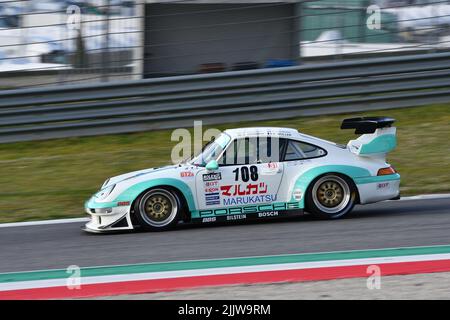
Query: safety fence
{"x": 81, "y": 110}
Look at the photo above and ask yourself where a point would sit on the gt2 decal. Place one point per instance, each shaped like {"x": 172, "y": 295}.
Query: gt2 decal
{"x": 246, "y": 173}
{"x": 239, "y": 190}
{"x": 272, "y": 207}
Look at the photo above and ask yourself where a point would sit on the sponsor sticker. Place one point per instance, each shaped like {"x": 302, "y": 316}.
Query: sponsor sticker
{"x": 267, "y": 214}
{"x": 212, "y": 198}
{"x": 295, "y": 163}
{"x": 270, "y": 168}
{"x": 212, "y": 176}
{"x": 383, "y": 185}
{"x": 186, "y": 174}
{"x": 297, "y": 194}
{"x": 237, "y": 217}
{"x": 209, "y": 219}
{"x": 249, "y": 199}
{"x": 241, "y": 190}
{"x": 272, "y": 165}
{"x": 211, "y": 183}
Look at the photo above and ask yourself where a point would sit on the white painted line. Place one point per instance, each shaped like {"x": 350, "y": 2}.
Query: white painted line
{"x": 427, "y": 197}
{"x": 60, "y": 221}
{"x": 242, "y": 257}
{"x": 19, "y": 285}
{"x": 42, "y": 222}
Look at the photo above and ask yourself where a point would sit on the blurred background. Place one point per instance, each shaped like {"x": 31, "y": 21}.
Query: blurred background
{"x": 59, "y": 42}
{"x": 92, "y": 89}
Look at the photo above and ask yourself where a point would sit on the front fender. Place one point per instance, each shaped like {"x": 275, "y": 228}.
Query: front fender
{"x": 134, "y": 191}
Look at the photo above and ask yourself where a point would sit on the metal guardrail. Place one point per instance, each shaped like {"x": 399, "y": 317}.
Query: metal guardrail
{"x": 131, "y": 106}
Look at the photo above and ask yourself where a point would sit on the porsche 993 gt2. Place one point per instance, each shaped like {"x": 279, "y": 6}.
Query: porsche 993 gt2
{"x": 254, "y": 173}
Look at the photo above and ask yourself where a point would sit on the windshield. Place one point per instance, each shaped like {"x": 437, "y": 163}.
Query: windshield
{"x": 211, "y": 150}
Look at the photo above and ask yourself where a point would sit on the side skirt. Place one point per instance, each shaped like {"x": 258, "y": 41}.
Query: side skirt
{"x": 249, "y": 216}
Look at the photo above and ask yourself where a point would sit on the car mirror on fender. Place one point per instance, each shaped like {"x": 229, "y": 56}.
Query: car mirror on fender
{"x": 212, "y": 165}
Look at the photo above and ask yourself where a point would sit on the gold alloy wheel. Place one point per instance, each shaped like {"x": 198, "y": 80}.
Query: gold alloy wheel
{"x": 158, "y": 207}
{"x": 330, "y": 194}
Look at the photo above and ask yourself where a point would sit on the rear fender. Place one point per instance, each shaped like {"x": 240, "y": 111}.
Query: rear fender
{"x": 304, "y": 180}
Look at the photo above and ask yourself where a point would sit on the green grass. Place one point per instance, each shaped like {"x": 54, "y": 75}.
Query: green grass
{"x": 52, "y": 179}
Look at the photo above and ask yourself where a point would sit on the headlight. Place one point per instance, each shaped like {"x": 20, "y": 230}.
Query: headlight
{"x": 102, "y": 194}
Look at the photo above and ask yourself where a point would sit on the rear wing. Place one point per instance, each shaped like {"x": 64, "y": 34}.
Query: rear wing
{"x": 378, "y": 136}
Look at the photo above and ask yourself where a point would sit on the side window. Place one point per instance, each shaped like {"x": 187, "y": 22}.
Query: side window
{"x": 240, "y": 151}
{"x": 253, "y": 150}
{"x": 270, "y": 149}
{"x": 297, "y": 150}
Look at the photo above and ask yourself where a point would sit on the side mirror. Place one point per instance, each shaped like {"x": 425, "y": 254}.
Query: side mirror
{"x": 212, "y": 165}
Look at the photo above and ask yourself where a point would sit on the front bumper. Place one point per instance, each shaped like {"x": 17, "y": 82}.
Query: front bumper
{"x": 106, "y": 217}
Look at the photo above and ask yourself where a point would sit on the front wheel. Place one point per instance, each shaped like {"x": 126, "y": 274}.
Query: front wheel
{"x": 157, "y": 209}
{"x": 331, "y": 196}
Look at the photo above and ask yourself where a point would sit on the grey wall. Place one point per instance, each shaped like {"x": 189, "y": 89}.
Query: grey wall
{"x": 179, "y": 43}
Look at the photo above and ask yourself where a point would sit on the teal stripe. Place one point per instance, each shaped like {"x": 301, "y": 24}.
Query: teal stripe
{"x": 221, "y": 263}
{"x": 130, "y": 194}
{"x": 135, "y": 190}
{"x": 307, "y": 177}
{"x": 390, "y": 177}
{"x": 260, "y": 207}
{"x": 381, "y": 144}
{"x": 92, "y": 204}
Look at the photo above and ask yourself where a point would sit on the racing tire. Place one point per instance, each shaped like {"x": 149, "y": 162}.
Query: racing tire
{"x": 331, "y": 196}
{"x": 157, "y": 209}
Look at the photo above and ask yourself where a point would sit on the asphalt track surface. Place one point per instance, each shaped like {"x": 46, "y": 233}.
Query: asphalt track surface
{"x": 383, "y": 225}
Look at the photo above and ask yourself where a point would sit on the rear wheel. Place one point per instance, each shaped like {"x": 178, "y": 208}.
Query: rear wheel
{"x": 158, "y": 209}
{"x": 331, "y": 196}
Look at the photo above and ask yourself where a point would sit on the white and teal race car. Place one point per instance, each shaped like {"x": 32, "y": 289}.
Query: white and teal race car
{"x": 254, "y": 173}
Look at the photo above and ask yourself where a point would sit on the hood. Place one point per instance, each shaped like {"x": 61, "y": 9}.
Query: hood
{"x": 135, "y": 174}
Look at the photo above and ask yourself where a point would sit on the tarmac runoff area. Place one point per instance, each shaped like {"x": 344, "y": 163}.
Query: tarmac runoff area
{"x": 302, "y": 259}
{"x": 415, "y": 287}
